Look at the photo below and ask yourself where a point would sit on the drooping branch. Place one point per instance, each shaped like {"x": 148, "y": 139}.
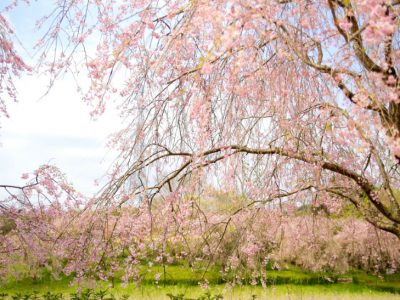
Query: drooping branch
{"x": 200, "y": 160}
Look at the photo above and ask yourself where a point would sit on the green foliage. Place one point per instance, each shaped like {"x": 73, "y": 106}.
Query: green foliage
{"x": 90, "y": 294}
{"x": 206, "y": 296}
{"x": 6, "y": 225}
{"x": 35, "y": 296}
{"x": 52, "y": 296}
{"x": 86, "y": 294}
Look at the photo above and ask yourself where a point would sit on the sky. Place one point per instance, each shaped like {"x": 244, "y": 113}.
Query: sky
{"x": 51, "y": 129}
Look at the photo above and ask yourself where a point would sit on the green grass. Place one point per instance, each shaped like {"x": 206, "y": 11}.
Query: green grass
{"x": 284, "y": 284}
{"x": 333, "y": 291}
{"x": 178, "y": 274}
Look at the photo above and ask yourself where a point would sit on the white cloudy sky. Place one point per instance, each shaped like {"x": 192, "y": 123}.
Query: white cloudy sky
{"x": 54, "y": 129}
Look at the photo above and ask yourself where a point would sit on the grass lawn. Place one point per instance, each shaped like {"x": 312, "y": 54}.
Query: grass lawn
{"x": 285, "y": 284}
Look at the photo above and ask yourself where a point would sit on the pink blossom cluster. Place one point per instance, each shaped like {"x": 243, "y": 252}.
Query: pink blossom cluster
{"x": 11, "y": 64}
